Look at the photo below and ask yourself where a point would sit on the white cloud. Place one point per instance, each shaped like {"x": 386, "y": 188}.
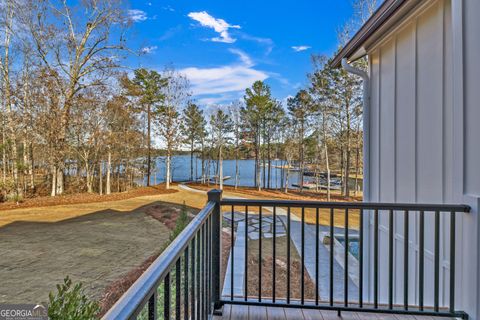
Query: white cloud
{"x": 245, "y": 58}
{"x": 136, "y": 15}
{"x": 219, "y": 25}
{"x": 148, "y": 50}
{"x": 220, "y": 84}
{"x": 300, "y": 48}
{"x": 266, "y": 42}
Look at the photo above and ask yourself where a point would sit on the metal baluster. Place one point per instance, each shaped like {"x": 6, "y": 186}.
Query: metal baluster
{"x": 317, "y": 223}
{"x": 437, "y": 262}
{"x": 288, "y": 255}
{"x": 405, "y": 259}
{"x": 260, "y": 255}
{"x": 204, "y": 278}
{"x": 302, "y": 279}
{"x": 360, "y": 262}
{"x": 206, "y": 258}
{"x": 246, "y": 253}
{"x": 232, "y": 236}
{"x": 390, "y": 260}
{"x": 331, "y": 255}
{"x": 274, "y": 252}
{"x": 194, "y": 283}
{"x": 152, "y": 306}
{"x": 166, "y": 297}
{"x": 198, "y": 275}
{"x": 345, "y": 277}
{"x": 178, "y": 290}
{"x": 452, "y": 261}
{"x": 421, "y": 260}
{"x": 375, "y": 260}
{"x": 185, "y": 285}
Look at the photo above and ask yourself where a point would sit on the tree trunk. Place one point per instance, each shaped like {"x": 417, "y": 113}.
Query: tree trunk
{"x": 109, "y": 166}
{"x": 60, "y": 180}
{"x": 100, "y": 178}
{"x": 347, "y": 169}
{"x": 167, "y": 170}
{"x": 302, "y": 154}
{"x": 236, "y": 167}
{"x": 31, "y": 172}
{"x": 4, "y": 153}
{"x": 269, "y": 158}
{"x": 287, "y": 176}
{"x": 203, "y": 163}
{"x": 325, "y": 147}
{"x": 258, "y": 182}
{"x": 149, "y": 146}
{"x": 191, "y": 160}
{"x": 54, "y": 181}
{"x": 357, "y": 162}
{"x": 89, "y": 178}
{"x": 220, "y": 170}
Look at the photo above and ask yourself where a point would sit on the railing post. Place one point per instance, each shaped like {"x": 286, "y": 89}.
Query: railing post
{"x": 216, "y": 196}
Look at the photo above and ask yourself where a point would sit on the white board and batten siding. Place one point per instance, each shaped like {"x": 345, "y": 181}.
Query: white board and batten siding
{"x": 425, "y": 143}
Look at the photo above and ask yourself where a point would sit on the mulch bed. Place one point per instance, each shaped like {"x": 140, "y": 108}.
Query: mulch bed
{"x": 81, "y": 198}
{"x": 281, "y": 278}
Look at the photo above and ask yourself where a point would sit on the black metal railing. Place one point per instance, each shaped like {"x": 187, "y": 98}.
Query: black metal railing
{"x": 184, "y": 281}
{"x": 336, "y": 217}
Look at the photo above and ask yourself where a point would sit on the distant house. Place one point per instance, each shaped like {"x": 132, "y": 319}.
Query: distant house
{"x": 422, "y": 130}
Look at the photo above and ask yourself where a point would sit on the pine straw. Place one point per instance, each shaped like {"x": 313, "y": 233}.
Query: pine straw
{"x": 281, "y": 279}
{"x": 82, "y": 198}
{"x": 293, "y": 194}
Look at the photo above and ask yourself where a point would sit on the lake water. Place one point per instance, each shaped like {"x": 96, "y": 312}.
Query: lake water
{"x": 181, "y": 171}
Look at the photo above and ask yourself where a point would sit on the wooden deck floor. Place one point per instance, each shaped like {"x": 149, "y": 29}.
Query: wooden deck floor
{"x": 240, "y": 312}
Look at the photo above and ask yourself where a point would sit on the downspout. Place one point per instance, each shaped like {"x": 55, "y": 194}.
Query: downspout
{"x": 366, "y": 126}
{"x": 366, "y": 168}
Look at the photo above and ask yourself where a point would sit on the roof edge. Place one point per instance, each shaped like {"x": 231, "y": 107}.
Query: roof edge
{"x": 378, "y": 19}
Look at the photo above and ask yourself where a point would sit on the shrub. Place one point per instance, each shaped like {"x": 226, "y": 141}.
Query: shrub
{"x": 181, "y": 223}
{"x": 70, "y": 303}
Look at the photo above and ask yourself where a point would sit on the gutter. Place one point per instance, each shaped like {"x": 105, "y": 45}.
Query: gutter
{"x": 366, "y": 161}
{"x": 366, "y": 125}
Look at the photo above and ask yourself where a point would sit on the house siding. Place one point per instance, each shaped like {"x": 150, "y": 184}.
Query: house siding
{"x": 414, "y": 135}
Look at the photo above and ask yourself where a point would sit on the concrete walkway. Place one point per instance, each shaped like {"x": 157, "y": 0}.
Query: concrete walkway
{"x": 239, "y": 270}
{"x": 323, "y": 261}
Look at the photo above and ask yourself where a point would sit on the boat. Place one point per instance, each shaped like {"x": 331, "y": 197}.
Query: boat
{"x": 308, "y": 186}
{"x": 215, "y": 178}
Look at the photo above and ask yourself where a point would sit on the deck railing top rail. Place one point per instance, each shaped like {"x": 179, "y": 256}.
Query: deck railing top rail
{"x": 139, "y": 293}
{"x": 347, "y": 205}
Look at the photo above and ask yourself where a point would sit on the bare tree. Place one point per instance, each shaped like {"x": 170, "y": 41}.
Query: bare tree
{"x": 79, "y": 58}
{"x": 6, "y": 24}
{"x": 176, "y": 94}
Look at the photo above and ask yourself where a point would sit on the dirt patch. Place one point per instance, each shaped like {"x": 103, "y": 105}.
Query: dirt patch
{"x": 94, "y": 249}
{"x": 81, "y": 198}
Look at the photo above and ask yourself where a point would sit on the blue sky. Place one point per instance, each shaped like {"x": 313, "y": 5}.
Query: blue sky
{"x": 223, "y": 46}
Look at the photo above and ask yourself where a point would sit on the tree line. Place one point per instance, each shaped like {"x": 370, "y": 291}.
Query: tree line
{"x": 74, "y": 121}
